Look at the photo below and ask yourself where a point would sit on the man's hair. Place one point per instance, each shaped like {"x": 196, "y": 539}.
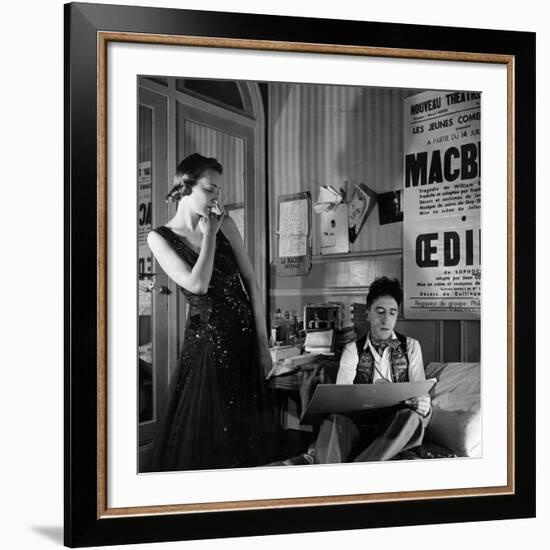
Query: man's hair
{"x": 188, "y": 172}
{"x": 383, "y": 286}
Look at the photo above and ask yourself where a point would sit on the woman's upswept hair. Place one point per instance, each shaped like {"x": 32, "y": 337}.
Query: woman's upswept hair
{"x": 189, "y": 170}
{"x": 383, "y": 286}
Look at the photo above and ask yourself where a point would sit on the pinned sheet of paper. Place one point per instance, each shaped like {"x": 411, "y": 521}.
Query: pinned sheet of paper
{"x": 293, "y": 228}
{"x": 333, "y": 212}
{"x": 329, "y": 199}
{"x": 294, "y": 234}
{"x": 333, "y": 230}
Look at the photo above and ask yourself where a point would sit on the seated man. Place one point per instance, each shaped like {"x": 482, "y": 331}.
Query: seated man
{"x": 380, "y": 356}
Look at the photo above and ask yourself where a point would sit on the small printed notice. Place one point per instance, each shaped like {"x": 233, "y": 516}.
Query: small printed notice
{"x": 293, "y": 228}
{"x": 294, "y": 223}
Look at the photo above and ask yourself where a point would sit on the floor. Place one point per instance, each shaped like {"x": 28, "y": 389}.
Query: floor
{"x": 290, "y": 443}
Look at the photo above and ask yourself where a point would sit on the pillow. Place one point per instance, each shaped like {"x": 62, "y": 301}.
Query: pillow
{"x": 456, "y": 402}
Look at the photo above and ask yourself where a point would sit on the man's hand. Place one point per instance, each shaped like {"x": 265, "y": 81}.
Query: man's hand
{"x": 421, "y": 405}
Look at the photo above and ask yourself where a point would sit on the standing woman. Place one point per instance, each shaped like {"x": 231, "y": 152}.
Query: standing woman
{"x": 218, "y": 414}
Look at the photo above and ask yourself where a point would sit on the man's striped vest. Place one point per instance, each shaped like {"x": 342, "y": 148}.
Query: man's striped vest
{"x": 398, "y": 359}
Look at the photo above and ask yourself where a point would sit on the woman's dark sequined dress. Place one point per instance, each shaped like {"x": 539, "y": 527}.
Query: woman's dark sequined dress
{"x": 218, "y": 414}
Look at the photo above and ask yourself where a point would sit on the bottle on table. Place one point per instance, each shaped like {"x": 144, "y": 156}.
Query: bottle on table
{"x": 293, "y": 329}
{"x": 287, "y": 327}
{"x": 277, "y": 328}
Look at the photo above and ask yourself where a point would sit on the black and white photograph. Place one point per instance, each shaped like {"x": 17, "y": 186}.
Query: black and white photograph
{"x": 237, "y": 366}
{"x": 389, "y": 207}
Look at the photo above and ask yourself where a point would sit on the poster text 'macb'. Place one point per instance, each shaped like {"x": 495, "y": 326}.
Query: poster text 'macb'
{"x": 443, "y": 165}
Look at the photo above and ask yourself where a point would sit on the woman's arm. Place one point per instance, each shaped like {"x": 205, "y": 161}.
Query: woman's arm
{"x": 251, "y": 285}
{"x": 197, "y": 278}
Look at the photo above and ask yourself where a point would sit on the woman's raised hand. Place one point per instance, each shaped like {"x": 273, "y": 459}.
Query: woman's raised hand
{"x": 210, "y": 224}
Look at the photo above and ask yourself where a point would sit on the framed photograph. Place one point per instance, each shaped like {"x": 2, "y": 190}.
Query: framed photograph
{"x": 361, "y": 203}
{"x": 158, "y": 451}
{"x": 390, "y": 209}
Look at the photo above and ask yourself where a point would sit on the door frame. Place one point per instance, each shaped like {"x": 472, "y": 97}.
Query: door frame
{"x": 158, "y": 103}
{"x": 253, "y": 124}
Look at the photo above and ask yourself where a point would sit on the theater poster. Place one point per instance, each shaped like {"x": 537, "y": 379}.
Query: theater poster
{"x": 145, "y": 258}
{"x": 442, "y": 206}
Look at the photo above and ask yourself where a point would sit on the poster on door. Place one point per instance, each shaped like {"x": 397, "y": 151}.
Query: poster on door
{"x": 442, "y": 206}
{"x": 145, "y": 259}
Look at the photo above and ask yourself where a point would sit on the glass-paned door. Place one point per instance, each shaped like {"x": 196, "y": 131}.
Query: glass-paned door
{"x": 153, "y": 294}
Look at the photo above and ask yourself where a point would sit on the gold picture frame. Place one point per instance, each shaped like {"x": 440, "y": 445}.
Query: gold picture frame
{"x": 89, "y": 517}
